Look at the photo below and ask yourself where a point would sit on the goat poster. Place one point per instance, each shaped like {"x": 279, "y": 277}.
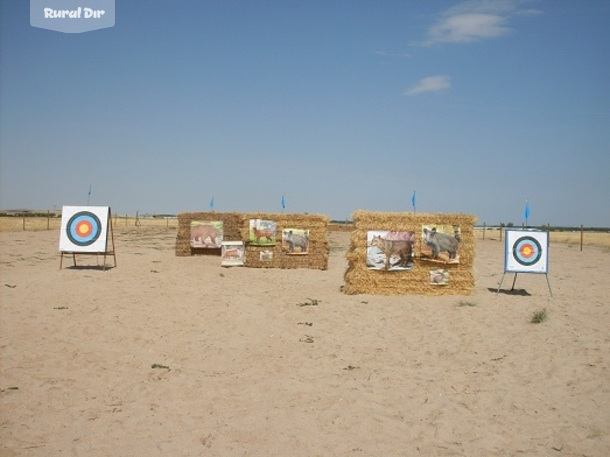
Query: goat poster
{"x": 206, "y": 234}
{"x": 84, "y": 229}
{"x": 389, "y": 251}
{"x": 262, "y": 232}
{"x": 440, "y": 243}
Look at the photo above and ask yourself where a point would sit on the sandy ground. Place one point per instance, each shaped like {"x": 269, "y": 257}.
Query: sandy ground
{"x": 174, "y": 356}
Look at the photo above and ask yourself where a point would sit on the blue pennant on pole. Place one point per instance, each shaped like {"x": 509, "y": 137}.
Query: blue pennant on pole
{"x": 212, "y": 202}
{"x": 283, "y": 202}
{"x": 413, "y": 201}
{"x": 526, "y": 212}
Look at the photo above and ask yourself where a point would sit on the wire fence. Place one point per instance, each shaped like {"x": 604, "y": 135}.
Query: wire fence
{"x": 39, "y": 222}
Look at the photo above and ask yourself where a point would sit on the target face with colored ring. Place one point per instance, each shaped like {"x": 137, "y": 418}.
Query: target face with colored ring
{"x": 526, "y": 251}
{"x": 84, "y": 228}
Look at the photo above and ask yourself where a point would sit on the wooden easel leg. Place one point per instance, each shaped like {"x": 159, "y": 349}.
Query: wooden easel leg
{"x": 500, "y": 285}
{"x": 514, "y": 281}
{"x": 61, "y": 260}
{"x": 74, "y": 258}
{"x": 548, "y": 284}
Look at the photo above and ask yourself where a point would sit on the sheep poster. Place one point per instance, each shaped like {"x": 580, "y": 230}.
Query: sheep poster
{"x": 262, "y": 232}
{"x": 389, "y": 251}
{"x": 206, "y": 234}
{"x": 295, "y": 241}
{"x": 440, "y": 243}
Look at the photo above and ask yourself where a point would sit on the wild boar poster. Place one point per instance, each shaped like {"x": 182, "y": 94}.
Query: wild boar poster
{"x": 295, "y": 241}
{"x": 440, "y": 243}
{"x": 206, "y": 234}
{"x": 389, "y": 251}
{"x": 262, "y": 232}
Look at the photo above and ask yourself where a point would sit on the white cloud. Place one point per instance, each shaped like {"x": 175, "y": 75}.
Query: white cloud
{"x": 430, "y": 84}
{"x": 475, "y": 20}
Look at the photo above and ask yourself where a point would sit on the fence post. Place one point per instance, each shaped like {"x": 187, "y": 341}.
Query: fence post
{"x": 581, "y": 236}
{"x": 484, "y": 225}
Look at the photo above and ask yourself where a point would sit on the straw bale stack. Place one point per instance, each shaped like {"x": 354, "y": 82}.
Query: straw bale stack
{"x": 232, "y": 223}
{"x": 318, "y": 247}
{"x": 237, "y": 228}
{"x": 359, "y": 279}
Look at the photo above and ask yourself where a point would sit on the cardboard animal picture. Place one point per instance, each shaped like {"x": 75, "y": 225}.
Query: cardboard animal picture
{"x": 232, "y": 253}
{"x": 206, "y": 234}
{"x": 439, "y": 277}
{"x": 440, "y": 243}
{"x": 389, "y": 250}
{"x": 262, "y": 232}
{"x": 265, "y": 256}
{"x": 295, "y": 241}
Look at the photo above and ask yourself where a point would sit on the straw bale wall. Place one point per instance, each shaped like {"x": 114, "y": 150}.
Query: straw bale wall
{"x": 457, "y": 276}
{"x": 232, "y": 223}
{"x": 236, "y": 227}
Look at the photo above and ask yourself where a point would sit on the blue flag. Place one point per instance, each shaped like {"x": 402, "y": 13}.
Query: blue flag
{"x": 212, "y": 203}
{"x": 89, "y": 195}
{"x": 526, "y": 212}
{"x": 283, "y": 202}
{"x": 413, "y": 200}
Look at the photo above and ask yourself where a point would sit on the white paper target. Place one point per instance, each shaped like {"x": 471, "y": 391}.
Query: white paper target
{"x": 526, "y": 251}
{"x": 84, "y": 229}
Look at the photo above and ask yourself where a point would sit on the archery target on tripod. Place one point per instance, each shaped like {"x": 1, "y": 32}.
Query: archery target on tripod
{"x": 84, "y": 228}
{"x": 526, "y": 251}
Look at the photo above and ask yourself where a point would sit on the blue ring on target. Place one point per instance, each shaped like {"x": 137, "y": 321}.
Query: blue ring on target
{"x": 527, "y": 251}
{"x": 90, "y": 222}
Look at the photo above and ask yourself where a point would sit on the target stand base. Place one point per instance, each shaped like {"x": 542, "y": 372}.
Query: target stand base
{"x": 515, "y": 280}
{"x": 97, "y": 255}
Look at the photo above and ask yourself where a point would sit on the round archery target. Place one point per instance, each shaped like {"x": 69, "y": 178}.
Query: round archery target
{"x": 83, "y": 228}
{"x": 526, "y": 251}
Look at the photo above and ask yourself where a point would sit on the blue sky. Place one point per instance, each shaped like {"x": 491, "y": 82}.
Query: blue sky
{"x": 338, "y": 105}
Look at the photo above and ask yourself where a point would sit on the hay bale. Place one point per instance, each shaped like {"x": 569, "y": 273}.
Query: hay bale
{"x": 317, "y": 250}
{"x": 231, "y": 230}
{"x": 237, "y": 228}
{"x": 457, "y": 276}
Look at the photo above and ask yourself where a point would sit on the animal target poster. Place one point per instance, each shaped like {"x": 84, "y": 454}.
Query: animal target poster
{"x": 440, "y": 243}
{"x": 84, "y": 229}
{"x": 390, "y": 251}
{"x": 295, "y": 241}
{"x": 262, "y": 232}
{"x": 232, "y": 253}
{"x": 526, "y": 251}
{"x": 206, "y": 234}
